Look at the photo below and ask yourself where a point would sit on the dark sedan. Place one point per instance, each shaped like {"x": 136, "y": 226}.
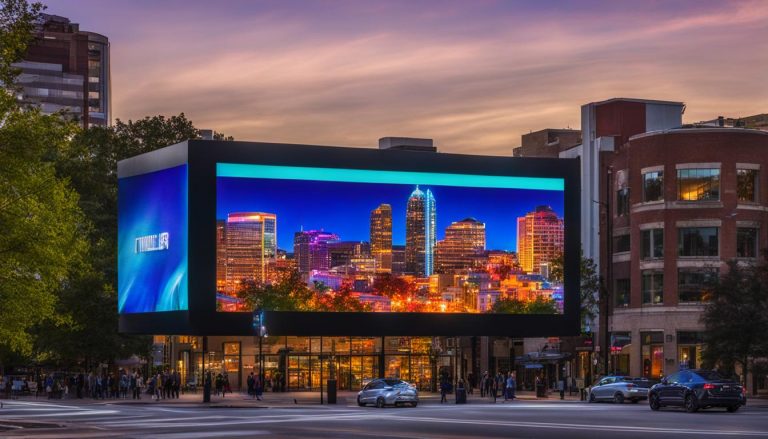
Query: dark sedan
{"x": 697, "y": 389}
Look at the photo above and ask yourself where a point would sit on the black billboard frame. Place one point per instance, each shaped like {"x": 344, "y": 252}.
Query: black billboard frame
{"x": 201, "y": 318}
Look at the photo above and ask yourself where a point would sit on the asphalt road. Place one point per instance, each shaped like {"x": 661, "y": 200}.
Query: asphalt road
{"x": 518, "y": 419}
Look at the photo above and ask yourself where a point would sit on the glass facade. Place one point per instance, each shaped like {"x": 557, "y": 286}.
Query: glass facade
{"x": 306, "y": 363}
{"x": 697, "y": 241}
{"x": 698, "y": 184}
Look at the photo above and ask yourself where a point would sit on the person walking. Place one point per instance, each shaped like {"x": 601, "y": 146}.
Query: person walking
{"x": 226, "y": 387}
{"x": 444, "y": 389}
{"x": 250, "y": 386}
{"x": 158, "y": 386}
{"x": 561, "y": 387}
{"x": 258, "y": 387}
{"x": 176, "y": 384}
{"x": 509, "y": 388}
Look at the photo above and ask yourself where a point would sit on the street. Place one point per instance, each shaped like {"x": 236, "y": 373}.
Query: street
{"x": 480, "y": 418}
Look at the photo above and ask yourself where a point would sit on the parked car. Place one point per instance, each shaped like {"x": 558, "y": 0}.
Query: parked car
{"x": 619, "y": 389}
{"x": 697, "y": 389}
{"x": 388, "y": 391}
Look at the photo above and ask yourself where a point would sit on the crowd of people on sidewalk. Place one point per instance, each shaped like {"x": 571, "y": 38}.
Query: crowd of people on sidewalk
{"x": 490, "y": 386}
{"x": 105, "y": 385}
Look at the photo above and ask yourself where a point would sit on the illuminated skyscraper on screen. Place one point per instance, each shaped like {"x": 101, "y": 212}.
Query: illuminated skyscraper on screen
{"x": 462, "y": 247}
{"x": 251, "y": 248}
{"x": 310, "y": 250}
{"x": 539, "y": 238}
{"x": 420, "y": 228}
{"x": 381, "y": 237}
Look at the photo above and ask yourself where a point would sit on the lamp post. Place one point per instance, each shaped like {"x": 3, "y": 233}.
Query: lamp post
{"x": 608, "y": 278}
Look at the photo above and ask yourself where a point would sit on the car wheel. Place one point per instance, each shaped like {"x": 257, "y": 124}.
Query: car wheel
{"x": 691, "y": 405}
{"x": 618, "y": 398}
{"x": 732, "y": 408}
{"x": 592, "y": 397}
{"x": 414, "y": 404}
{"x": 653, "y": 402}
{"x": 360, "y": 402}
{"x": 380, "y": 403}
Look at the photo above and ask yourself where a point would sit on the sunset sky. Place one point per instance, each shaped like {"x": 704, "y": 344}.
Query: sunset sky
{"x": 473, "y": 75}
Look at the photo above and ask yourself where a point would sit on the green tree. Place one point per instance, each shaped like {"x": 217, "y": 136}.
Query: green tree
{"x": 290, "y": 293}
{"x": 540, "y": 305}
{"x": 17, "y": 23}
{"x": 341, "y": 301}
{"x": 736, "y": 318}
{"x": 589, "y": 288}
{"x": 43, "y": 229}
{"x": 508, "y": 306}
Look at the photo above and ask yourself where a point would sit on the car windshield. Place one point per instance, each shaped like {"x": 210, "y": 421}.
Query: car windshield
{"x": 709, "y": 375}
{"x": 394, "y": 383}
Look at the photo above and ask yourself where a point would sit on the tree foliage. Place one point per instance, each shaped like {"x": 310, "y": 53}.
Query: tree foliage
{"x": 589, "y": 288}
{"x": 42, "y": 227}
{"x": 17, "y": 23}
{"x": 736, "y": 318}
{"x": 540, "y": 305}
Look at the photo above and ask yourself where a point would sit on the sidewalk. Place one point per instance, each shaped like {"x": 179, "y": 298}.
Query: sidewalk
{"x": 287, "y": 400}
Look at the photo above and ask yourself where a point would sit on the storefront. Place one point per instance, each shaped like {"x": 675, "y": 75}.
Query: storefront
{"x": 303, "y": 363}
{"x": 652, "y": 353}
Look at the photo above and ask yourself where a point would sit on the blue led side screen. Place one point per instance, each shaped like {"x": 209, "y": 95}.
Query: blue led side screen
{"x": 152, "y": 242}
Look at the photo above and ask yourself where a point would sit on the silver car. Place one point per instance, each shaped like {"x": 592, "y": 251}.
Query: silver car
{"x": 619, "y": 389}
{"x": 388, "y": 391}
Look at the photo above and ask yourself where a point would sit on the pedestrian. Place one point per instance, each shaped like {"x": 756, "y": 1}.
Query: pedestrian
{"x": 226, "y": 389}
{"x": 470, "y": 383}
{"x": 219, "y": 383}
{"x": 158, "y": 386}
{"x": 48, "y": 386}
{"x": 561, "y": 387}
{"x": 176, "y": 383}
{"x": 509, "y": 388}
{"x": 444, "y": 389}
{"x": 258, "y": 387}
{"x": 250, "y": 386}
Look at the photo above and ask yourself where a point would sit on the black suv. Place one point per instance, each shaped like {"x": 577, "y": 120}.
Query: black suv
{"x": 697, "y": 389}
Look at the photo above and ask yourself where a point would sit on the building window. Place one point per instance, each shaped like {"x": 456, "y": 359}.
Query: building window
{"x": 621, "y": 244}
{"x": 746, "y": 184}
{"x": 653, "y": 186}
{"x": 692, "y": 283}
{"x": 653, "y": 244}
{"x": 653, "y": 287}
{"x": 689, "y": 348}
{"x": 621, "y": 291}
{"x": 746, "y": 242}
{"x": 622, "y": 202}
{"x": 697, "y": 241}
{"x": 698, "y": 184}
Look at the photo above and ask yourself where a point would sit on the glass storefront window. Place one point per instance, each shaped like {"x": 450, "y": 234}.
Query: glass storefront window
{"x": 620, "y": 345}
{"x": 652, "y": 351}
{"x": 689, "y": 348}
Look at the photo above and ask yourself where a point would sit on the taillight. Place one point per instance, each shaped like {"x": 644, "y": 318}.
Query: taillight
{"x": 709, "y": 386}
{"x": 630, "y": 385}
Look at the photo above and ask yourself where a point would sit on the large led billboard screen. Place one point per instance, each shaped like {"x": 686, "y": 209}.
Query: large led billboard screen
{"x": 346, "y": 241}
{"x": 152, "y": 242}
{"x": 353, "y": 240}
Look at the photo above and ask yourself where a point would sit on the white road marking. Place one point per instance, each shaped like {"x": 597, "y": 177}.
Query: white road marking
{"x": 590, "y": 427}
